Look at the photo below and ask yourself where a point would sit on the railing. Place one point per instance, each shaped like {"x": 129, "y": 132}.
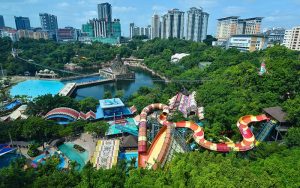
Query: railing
{"x": 265, "y": 131}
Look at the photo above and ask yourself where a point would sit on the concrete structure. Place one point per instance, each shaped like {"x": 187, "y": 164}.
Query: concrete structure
{"x": 173, "y": 24}
{"x": 48, "y": 22}
{"x": 197, "y": 22}
{"x": 248, "y": 42}
{"x": 155, "y": 26}
{"x": 292, "y": 38}
{"x": 100, "y": 28}
{"x": 2, "y": 24}
{"x": 22, "y": 23}
{"x": 177, "y": 57}
{"x": 229, "y": 26}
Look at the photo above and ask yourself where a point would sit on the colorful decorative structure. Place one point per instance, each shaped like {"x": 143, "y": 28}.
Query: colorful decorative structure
{"x": 186, "y": 103}
{"x": 263, "y": 69}
{"x": 106, "y": 154}
{"x": 66, "y": 115}
{"x": 161, "y": 145}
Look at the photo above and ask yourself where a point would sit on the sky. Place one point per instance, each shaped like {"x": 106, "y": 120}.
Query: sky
{"x": 276, "y": 13}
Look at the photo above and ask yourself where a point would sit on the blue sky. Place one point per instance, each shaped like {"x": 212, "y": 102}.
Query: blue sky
{"x": 276, "y": 13}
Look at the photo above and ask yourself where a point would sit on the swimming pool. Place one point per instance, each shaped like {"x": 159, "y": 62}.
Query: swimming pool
{"x": 128, "y": 156}
{"x": 39, "y": 159}
{"x": 12, "y": 105}
{"x": 35, "y": 88}
{"x": 68, "y": 150}
{"x": 6, "y": 159}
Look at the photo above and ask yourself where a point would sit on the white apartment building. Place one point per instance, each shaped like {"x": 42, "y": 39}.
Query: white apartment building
{"x": 292, "y": 38}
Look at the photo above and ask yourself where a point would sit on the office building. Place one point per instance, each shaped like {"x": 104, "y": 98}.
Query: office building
{"x": 2, "y": 24}
{"x": 173, "y": 24}
{"x": 248, "y": 42}
{"x": 22, "y": 23}
{"x": 155, "y": 26}
{"x": 48, "y": 22}
{"x": 197, "y": 22}
{"x": 229, "y": 26}
{"x": 292, "y": 38}
{"x": 104, "y": 12}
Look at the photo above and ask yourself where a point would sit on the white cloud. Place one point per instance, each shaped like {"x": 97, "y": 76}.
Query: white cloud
{"x": 234, "y": 10}
{"x": 123, "y": 9}
{"x": 63, "y": 4}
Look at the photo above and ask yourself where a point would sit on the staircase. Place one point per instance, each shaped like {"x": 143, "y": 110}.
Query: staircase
{"x": 265, "y": 131}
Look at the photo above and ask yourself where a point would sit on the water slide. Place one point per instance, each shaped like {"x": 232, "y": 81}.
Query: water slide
{"x": 126, "y": 129}
{"x": 247, "y": 143}
{"x": 148, "y": 159}
{"x": 158, "y": 149}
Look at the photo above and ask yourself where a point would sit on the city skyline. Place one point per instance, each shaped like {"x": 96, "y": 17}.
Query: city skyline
{"x": 75, "y": 13}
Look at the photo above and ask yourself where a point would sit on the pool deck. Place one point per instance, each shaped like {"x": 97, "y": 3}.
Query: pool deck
{"x": 87, "y": 142}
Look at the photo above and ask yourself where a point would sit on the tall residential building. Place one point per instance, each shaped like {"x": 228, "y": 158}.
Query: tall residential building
{"x": 292, "y": 38}
{"x": 48, "y": 22}
{"x": 22, "y": 23}
{"x": 173, "y": 24}
{"x": 104, "y": 12}
{"x": 155, "y": 26}
{"x": 131, "y": 29}
{"x": 2, "y": 24}
{"x": 197, "y": 22}
{"x": 232, "y": 25}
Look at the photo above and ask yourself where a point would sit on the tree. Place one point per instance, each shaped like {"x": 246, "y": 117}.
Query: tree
{"x": 292, "y": 137}
{"x": 88, "y": 104}
{"x": 209, "y": 39}
{"x": 119, "y": 93}
{"x": 107, "y": 95}
{"x": 97, "y": 128}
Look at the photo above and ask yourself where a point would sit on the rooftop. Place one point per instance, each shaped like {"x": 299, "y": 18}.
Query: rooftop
{"x": 277, "y": 113}
{"x": 111, "y": 103}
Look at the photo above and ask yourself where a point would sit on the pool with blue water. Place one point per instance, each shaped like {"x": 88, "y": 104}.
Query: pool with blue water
{"x": 68, "y": 150}
{"x": 35, "y": 88}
